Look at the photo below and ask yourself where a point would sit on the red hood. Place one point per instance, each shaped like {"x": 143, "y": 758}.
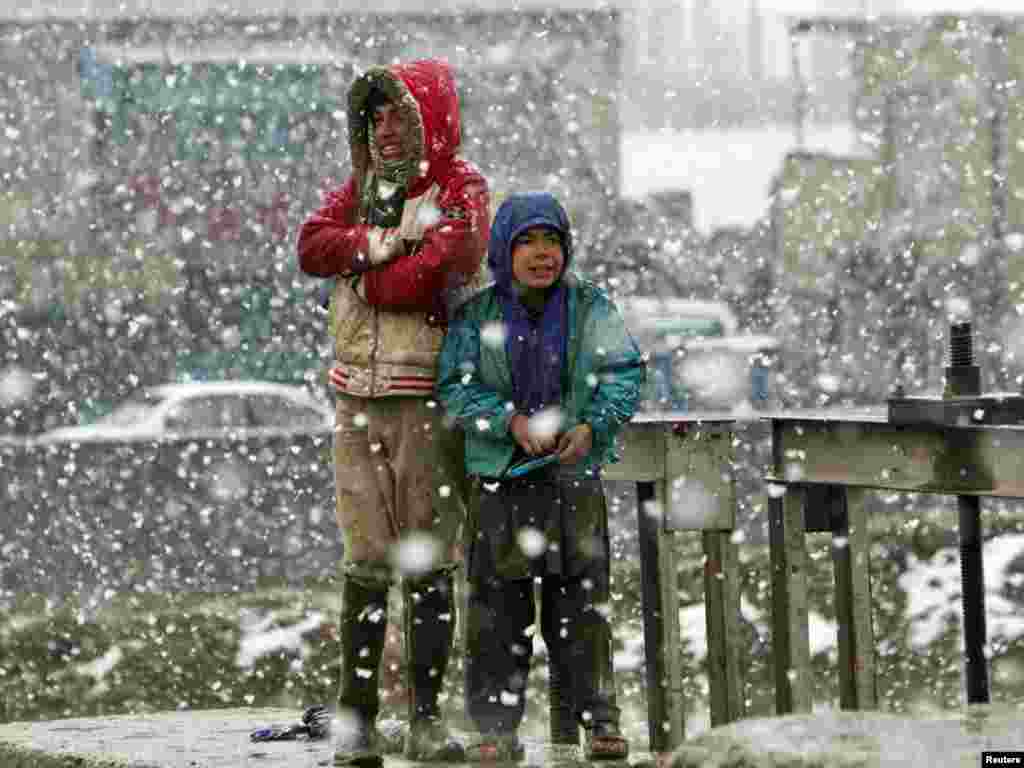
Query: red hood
{"x": 426, "y": 89}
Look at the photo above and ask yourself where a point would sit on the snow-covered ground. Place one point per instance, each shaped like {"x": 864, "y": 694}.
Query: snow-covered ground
{"x": 933, "y": 591}
{"x": 728, "y": 172}
{"x": 932, "y": 588}
{"x": 933, "y": 598}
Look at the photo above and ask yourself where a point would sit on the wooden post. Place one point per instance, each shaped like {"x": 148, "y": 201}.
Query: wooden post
{"x": 693, "y": 457}
{"x": 789, "y": 602}
{"x": 850, "y": 558}
{"x": 722, "y": 610}
{"x": 665, "y": 711}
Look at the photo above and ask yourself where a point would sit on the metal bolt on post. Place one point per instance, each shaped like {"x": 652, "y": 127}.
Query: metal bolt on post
{"x": 963, "y": 378}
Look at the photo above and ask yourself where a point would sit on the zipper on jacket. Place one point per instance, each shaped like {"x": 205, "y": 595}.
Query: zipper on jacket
{"x": 373, "y": 352}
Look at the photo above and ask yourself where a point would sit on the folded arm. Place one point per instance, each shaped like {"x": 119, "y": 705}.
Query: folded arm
{"x": 449, "y": 254}
{"x": 330, "y": 240}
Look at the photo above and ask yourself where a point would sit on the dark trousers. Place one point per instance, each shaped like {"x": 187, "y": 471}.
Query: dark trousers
{"x": 577, "y": 635}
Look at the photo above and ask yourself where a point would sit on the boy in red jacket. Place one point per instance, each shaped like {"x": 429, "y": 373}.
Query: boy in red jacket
{"x": 405, "y": 237}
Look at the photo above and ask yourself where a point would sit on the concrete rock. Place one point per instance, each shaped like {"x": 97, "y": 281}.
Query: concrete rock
{"x": 836, "y": 739}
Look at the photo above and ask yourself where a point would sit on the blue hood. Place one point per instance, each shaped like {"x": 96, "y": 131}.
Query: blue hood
{"x": 516, "y": 214}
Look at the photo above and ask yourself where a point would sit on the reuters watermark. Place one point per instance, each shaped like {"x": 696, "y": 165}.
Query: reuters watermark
{"x": 1002, "y": 758}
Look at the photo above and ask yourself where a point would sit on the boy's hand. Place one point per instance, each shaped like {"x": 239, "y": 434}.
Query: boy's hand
{"x": 575, "y": 444}
{"x": 383, "y": 245}
{"x": 532, "y": 441}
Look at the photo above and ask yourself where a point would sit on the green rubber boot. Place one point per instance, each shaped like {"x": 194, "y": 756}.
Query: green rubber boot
{"x": 364, "y": 621}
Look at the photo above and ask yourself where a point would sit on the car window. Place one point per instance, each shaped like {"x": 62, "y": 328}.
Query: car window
{"x": 127, "y": 415}
{"x": 282, "y": 413}
{"x": 212, "y": 412}
{"x": 131, "y": 412}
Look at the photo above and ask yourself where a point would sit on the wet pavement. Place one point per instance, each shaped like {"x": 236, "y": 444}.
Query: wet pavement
{"x": 220, "y": 739}
{"x": 190, "y": 739}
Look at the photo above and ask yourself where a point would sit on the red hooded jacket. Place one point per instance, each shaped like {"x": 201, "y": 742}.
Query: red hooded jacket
{"x": 389, "y": 320}
{"x": 451, "y": 250}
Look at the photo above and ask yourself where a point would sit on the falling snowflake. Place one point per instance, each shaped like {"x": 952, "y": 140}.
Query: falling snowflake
{"x": 16, "y": 386}
{"x": 416, "y": 553}
{"x": 531, "y": 541}
{"x": 545, "y": 423}
{"x": 493, "y": 335}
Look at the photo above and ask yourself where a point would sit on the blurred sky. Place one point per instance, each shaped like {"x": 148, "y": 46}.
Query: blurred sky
{"x": 708, "y": 163}
{"x": 891, "y": 7}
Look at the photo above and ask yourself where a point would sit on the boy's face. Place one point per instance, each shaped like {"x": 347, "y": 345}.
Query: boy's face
{"x": 388, "y": 125}
{"x": 537, "y": 258}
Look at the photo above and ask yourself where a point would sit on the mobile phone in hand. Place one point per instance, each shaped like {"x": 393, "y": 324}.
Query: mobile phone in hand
{"x": 525, "y": 467}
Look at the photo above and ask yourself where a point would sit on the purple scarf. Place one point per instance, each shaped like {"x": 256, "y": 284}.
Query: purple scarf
{"x": 536, "y": 349}
{"x": 536, "y": 340}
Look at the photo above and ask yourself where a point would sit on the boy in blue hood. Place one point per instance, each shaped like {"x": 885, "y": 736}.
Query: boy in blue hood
{"x": 538, "y": 366}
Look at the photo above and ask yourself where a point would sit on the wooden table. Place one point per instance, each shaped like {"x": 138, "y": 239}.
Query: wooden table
{"x": 823, "y": 463}
{"x": 682, "y": 464}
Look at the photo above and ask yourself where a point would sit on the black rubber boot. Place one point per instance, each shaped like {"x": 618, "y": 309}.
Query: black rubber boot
{"x": 429, "y": 629}
{"x": 364, "y": 621}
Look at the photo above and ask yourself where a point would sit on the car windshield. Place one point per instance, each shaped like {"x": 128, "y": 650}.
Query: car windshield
{"x": 659, "y": 334}
{"x": 132, "y": 411}
{"x": 686, "y": 326}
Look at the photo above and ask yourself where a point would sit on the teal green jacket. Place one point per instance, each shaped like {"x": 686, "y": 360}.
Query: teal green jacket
{"x": 602, "y": 377}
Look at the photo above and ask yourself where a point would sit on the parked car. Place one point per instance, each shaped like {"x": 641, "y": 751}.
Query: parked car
{"x": 190, "y": 486}
{"x": 204, "y": 410}
{"x": 697, "y": 357}
{"x": 12, "y": 441}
